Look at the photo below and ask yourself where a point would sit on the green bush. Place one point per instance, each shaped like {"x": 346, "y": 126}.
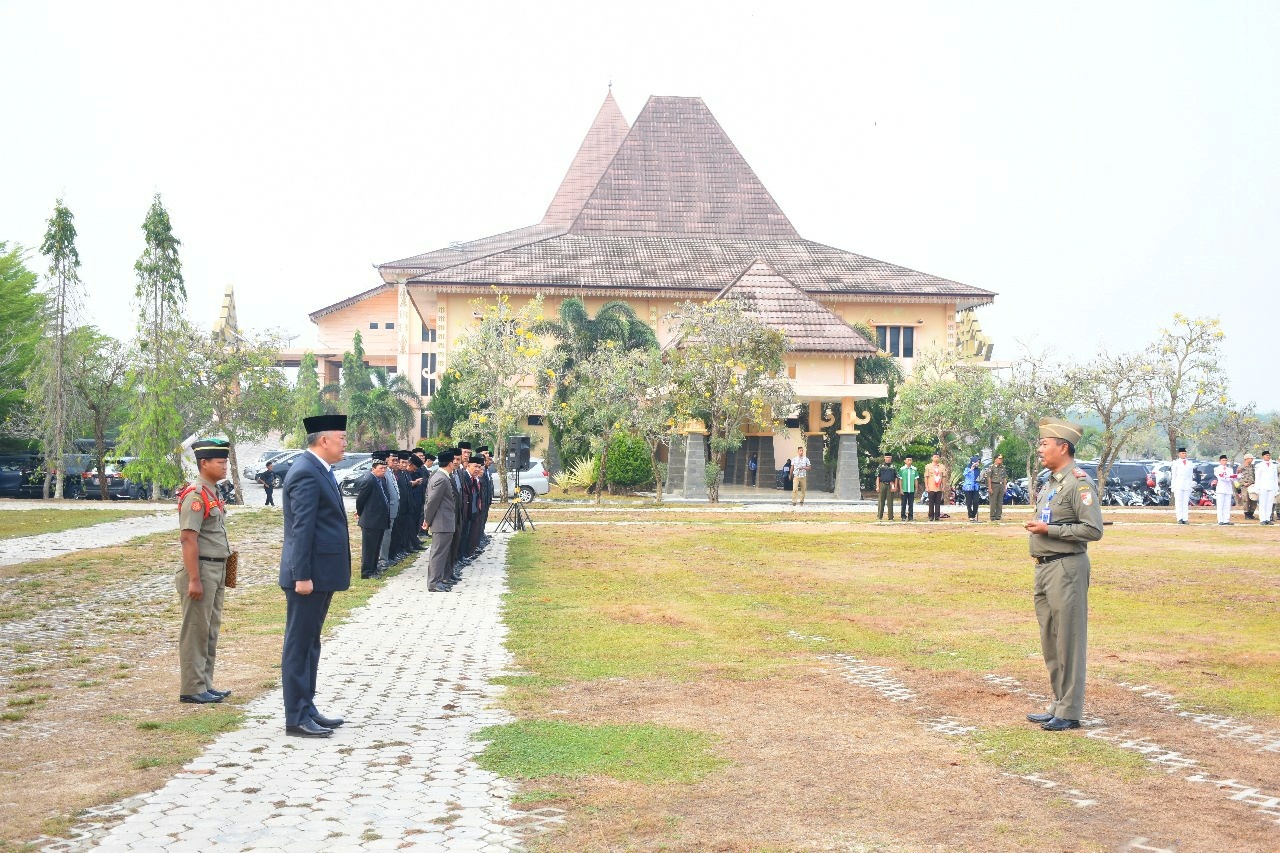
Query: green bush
{"x": 628, "y": 464}
{"x": 435, "y": 444}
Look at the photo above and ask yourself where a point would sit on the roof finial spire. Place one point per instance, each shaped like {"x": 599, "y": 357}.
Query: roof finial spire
{"x": 610, "y": 85}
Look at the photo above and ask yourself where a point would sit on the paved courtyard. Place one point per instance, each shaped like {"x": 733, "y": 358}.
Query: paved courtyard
{"x": 410, "y": 673}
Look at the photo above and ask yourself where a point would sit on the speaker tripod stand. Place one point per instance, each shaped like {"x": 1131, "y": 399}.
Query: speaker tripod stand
{"x": 516, "y": 516}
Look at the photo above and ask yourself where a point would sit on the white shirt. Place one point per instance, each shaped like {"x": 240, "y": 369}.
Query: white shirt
{"x": 1226, "y": 477}
{"x": 800, "y": 467}
{"x": 1264, "y": 474}
{"x": 1181, "y": 472}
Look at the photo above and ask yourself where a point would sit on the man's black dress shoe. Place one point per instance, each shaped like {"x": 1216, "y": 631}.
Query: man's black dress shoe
{"x": 308, "y": 728}
{"x": 1057, "y": 724}
{"x": 327, "y": 722}
{"x": 437, "y": 588}
{"x": 222, "y": 694}
{"x": 1039, "y": 718}
{"x": 204, "y": 698}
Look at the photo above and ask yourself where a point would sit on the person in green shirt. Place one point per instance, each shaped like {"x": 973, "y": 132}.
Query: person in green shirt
{"x": 907, "y": 477}
{"x": 997, "y": 482}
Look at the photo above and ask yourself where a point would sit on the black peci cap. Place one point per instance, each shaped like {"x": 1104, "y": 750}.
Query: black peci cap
{"x": 324, "y": 423}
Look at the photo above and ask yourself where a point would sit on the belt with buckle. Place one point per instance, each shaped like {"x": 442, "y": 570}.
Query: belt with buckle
{"x": 213, "y": 559}
{"x": 1040, "y": 561}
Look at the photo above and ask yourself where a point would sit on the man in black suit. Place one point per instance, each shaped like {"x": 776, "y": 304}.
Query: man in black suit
{"x": 400, "y": 525}
{"x": 314, "y": 564}
{"x": 418, "y": 490}
{"x": 441, "y": 523}
{"x": 373, "y": 514}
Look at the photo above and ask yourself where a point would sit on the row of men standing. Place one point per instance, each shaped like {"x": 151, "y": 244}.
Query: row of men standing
{"x": 389, "y": 505}
{"x": 459, "y": 496}
{"x": 1262, "y": 477}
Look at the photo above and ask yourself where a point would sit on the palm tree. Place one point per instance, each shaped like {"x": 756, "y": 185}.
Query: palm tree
{"x": 384, "y": 408}
{"x": 577, "y": 335}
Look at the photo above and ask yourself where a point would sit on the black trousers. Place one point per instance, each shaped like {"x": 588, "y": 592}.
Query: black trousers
{"x": 935, "y": 506}
{"x": 971, "y": 503}
{"x": 300, "y": 655}
{"x": 270, "y": 500}
{"x": 908, "y": 506}
{"x": 370, "y": 549}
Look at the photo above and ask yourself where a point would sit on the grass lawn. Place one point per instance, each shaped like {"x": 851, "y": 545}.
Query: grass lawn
{"x": 29, "y": 522}
{"x": 731, "y": 630}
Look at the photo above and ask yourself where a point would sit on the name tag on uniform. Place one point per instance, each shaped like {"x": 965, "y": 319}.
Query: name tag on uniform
{"x": 1046, "y": 514}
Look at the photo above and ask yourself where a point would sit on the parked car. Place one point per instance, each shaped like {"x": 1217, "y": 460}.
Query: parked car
{"x": 119, "y": 487}
{"x": 534, "y": 480}
{"x": 13, "y": 471}
{"x": 347, "y": 479}
{"x": 251, "y": 470}
{"x": 351, "y": 460}
{"x": 280, "y": 467}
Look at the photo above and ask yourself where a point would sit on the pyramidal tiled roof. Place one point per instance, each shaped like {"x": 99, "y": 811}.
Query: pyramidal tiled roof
{"x": 593, "y": 157}
{"x": 780, "y": 305}
{"x": 673, "y": 207}
{"x": 677, "y": 174}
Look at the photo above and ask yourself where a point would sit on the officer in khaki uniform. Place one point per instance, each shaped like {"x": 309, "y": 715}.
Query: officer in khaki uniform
{"x": 1068, "y": 517}
{"x": 201, "y": 581}
{"x": 997, "y": 482}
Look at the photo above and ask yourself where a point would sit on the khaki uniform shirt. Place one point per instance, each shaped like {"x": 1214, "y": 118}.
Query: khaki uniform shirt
{"x": 1075, "y": 514}
{"x": 997, "y": 473}
{"x": 212, "y": 531}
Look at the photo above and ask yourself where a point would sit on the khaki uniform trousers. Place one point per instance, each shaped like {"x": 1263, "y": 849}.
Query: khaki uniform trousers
{"x": 995, "y": 500}
{"x": 1062, "y": 606}
{"x": 201, "y": 621}
{"x": 799, "y": 486}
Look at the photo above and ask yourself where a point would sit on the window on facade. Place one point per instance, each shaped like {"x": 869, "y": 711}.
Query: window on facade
{"x": 426, "y": 428}
{"x": 428, "y": 335}
{"x": 388, "y": 325}
{"x": 373, "y": 325}
{"x": 535, "y": 420}
{"x": 897, "y": 340}
{"x": 428, "y": 386}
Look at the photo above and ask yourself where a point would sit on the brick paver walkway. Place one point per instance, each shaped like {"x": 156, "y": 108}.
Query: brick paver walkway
{"x": 410, "y": 673}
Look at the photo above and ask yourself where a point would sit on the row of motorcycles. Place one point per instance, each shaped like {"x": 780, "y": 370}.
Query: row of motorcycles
{"x": 1113, "y": 495}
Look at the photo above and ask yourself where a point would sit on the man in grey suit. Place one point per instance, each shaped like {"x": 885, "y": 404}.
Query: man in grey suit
{"x": 441, "y": 522}
{"x": 315, "y": 562}
{"x": 393, "y": 500}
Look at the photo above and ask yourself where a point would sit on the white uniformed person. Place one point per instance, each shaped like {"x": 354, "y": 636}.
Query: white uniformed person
{"x": 1183, "y": 479}
{"x": 1068, "y": 517}
{"x": 1224, "y": 476}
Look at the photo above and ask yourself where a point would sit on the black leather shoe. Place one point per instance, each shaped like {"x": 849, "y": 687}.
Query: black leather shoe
{"x": 1057, "y": 724}
{"x": 437, "y": 588}
{"x": 308, "y": 729}
{"x": 1039, "y": 718}
{"x": 221, "y": 694}
{"x": 327, "y": 722}
{"x": 204, "y": 698}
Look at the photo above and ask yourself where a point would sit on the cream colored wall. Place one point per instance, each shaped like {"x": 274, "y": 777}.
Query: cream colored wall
{"x": 932, "y": 322}
{"x": 337, "y": 329}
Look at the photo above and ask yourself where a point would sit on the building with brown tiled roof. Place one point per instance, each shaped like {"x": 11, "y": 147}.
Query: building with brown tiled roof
{"x": 656, "y": 213}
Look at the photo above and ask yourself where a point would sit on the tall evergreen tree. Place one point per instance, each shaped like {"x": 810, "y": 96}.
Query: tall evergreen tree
{"x": 63, "y": 297}
{"x": 154, "y": 435}
{"x": 20, "y": 307}
{"x": 306, "y": 394}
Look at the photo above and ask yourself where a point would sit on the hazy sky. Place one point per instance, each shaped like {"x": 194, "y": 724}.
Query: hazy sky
{"x": 1100, "y": 166}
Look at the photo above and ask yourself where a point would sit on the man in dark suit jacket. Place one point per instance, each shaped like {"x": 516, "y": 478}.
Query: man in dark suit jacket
{"x": 314, "y": 564}
{"x": 400, "y": 524}
{"x": 418, "y": 489}
{"x": 441, "y": 521}
{"x": 373, "y": 514}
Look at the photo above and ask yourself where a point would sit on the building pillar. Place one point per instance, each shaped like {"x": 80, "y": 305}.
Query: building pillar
{"x": 695, "y": 461}
{"x": 675, "y": 466}
{"x": 819, "y": 476}
{"x": 848, "y": 485}
{"x": 402, "y": 353}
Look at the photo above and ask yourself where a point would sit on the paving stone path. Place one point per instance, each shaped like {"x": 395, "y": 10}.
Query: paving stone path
{"x": 411, "y": 674}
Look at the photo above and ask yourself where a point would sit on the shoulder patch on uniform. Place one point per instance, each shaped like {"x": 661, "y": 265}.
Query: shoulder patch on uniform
{"x": 1080, "y": 474}
{"x": 197, "y": 506}
{"x": 1086, "y": 497}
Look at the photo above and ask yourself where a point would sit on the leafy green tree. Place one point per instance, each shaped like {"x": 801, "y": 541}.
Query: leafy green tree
{"x": 493, "y": 365}
{"x": 306, "y": 395}
{"x": 154, "y": 434}
{"x": 241, "y": 392}
{"x": 383, "y": 411}
{"x": 446, "y": 409}
{"x": 100, "y": 378}
{"x": 1040, "y": 386}
{"x": 728, "y": 368}
{"x": 50, "y": 393}
{"x": 628, "y": 462}
{"x": 576, "y": 335}
{"x": 1189, "y": 381}
{"x": 1116, "y": 390}
{"x": 20, "y": 310}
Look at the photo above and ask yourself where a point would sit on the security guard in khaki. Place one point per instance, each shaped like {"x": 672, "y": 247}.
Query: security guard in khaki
{"x": 1068, "y": 517}
{"x": 201, "y": 580}
{"x": 997, "y": 482}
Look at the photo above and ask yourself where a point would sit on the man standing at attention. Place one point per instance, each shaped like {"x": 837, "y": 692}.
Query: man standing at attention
{"x": 1264, "y": 474}
{"x": 1068, "y": 517}
{"x": 201, "y": 581}
{"x": 1183, "y": 479}
{"x": 393, "y": 499}
{"x": 315, "y": 562}
{"x": 887, "y": 480}
{"x": 373, "y": 515}
{"x": 441, "y": 523}
{"x": 997, "y": 482}
{"x": 1245, "y": 482}
{"x": 935, "y": 477}
{"x": 1224, "y": 477}
{"x": 800, "y": 477}
{"x": 907, "y": 477}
